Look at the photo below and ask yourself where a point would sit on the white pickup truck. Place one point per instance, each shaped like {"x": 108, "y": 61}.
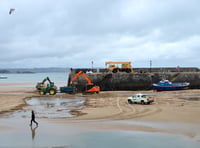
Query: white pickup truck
{"x": 140, "y": 98}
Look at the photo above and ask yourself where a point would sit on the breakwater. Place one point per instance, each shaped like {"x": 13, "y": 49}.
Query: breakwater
{"x": 135, "y": 81}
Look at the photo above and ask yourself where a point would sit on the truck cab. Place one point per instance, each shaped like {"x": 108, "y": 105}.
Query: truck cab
{"x": 119, "y": 67}
{"x": 140, "y": 98}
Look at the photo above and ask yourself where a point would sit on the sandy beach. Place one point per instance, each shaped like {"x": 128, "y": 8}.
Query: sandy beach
{"x": 174, "y": 112}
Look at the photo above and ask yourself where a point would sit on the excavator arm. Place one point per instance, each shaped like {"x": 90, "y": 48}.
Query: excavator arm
{"x": 89, "y": 82}
{"x": 90, "y": 87}
{"x": 80, "y": 73}
{"x": 76, "y": 76}
{"x": 47, "y": 79}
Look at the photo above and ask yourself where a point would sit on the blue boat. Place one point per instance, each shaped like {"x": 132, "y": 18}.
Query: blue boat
{"x": 3, "y": 77}
{"x": 167, "y": 85}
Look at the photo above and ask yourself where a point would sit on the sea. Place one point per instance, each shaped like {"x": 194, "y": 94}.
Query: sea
{"x": 27, "y": 79}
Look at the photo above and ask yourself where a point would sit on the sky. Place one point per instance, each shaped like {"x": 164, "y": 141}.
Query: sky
{"x": 88, "y": 33}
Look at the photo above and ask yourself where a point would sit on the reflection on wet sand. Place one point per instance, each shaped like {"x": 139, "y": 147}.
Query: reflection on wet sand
{"x": 33, "y": 131}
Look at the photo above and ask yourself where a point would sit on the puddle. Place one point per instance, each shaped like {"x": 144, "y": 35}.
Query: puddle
{"x": 50, "y": 107}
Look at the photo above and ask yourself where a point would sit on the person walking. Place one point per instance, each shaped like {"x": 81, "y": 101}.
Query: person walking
{"x": 33, "y": 118}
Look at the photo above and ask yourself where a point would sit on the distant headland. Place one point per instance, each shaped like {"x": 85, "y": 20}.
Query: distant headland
{"x": 32, "y": 70}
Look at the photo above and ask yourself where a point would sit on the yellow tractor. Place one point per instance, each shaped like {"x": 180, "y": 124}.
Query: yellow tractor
{"x": 46, "y": 88}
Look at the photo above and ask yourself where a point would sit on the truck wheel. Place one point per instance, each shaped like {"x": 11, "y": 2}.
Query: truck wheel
{"x": 52, "y": 91}
{"x": 142, "y": 102}
{"x": 42, "y": 92}
{"x": 130, "y": 102}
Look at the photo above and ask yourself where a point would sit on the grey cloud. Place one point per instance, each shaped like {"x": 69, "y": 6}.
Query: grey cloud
{"x": 76, "y": 32}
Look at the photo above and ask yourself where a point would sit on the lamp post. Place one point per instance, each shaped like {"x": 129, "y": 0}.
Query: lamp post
{"x": 150, "y": 65}
{"x": 92, "y": 65}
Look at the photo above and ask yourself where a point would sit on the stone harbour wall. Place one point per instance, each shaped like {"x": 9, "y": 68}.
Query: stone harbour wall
{"x": 136, "y": 81}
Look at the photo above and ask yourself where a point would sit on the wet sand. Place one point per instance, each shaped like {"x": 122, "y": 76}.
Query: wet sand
{"x": 89, "y": 134}
{"x": 172, "y": 112}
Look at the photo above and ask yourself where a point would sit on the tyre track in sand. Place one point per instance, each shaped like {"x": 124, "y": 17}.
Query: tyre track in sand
{"x": 118, "y": 108}
{"x": 139, "y": 110}
{"x": 131, "y": 111}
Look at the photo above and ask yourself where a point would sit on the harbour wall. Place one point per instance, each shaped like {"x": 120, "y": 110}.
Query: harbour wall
{"x": 135, "y": 81}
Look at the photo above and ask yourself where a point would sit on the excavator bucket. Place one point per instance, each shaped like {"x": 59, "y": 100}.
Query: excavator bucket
{"x": 92, "y": 89}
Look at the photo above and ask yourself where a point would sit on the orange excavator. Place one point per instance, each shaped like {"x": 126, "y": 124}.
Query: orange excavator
{"x": 90, "y": 87}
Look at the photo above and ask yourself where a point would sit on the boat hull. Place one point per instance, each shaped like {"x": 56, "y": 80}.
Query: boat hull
{"x": 3, "y": 77}
{"x": 166, "y": 88}
{"x": 167, "y": 85}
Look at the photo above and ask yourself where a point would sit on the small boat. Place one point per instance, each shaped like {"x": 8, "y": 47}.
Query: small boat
{"x": 3, "y": 77}
{"x": 167, "y": 85}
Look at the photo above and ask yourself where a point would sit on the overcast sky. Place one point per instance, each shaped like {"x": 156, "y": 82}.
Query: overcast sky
{"x": 73, "y": 33}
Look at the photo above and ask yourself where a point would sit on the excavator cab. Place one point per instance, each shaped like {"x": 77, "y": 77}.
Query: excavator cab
{"x": 48, "y": 87}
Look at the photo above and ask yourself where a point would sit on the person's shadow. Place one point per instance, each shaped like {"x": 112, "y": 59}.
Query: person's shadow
{"x": 33, "y": 131}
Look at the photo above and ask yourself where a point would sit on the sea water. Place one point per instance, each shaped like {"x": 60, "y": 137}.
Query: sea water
{"x": 59, "y": 78}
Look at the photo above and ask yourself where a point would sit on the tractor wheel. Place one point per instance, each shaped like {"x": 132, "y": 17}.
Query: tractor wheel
{"x": 128, "y": 70}
{"x": 42, "y": 92}
{"x": 115, "y": 70}
{"x": 52, "y": 91}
